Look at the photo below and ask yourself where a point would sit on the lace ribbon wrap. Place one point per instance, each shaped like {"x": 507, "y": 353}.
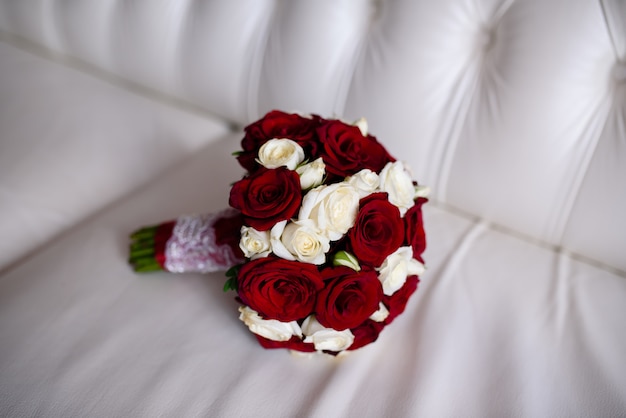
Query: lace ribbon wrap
{"x": 195, "y": 247}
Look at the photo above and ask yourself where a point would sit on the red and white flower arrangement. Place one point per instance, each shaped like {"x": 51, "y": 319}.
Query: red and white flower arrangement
{"x": 329, "y": 232}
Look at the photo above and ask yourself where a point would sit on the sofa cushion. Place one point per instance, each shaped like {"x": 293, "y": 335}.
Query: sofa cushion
{"x": 500, "y": 326}
{"x": 72, "y": 144}
{"x": 508, "y": 112}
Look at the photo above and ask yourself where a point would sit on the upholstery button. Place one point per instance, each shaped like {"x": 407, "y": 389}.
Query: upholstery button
{"x": 619, "y": 72}
{"x": 486, "y": 39}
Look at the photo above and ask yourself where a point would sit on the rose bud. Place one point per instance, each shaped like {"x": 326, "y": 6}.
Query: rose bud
{"x": 281, "y": 152}
{"x": 326, "y": 339}
{"x": 396, "y": 268}
{"x": 397, "y": 182}
{"x": 311, "y": 174}
{"x": 254, "y": 244}
{"x": 268, "y": 328}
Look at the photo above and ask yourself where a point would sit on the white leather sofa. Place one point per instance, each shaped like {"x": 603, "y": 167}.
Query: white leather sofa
{"x": 116, "y": 114}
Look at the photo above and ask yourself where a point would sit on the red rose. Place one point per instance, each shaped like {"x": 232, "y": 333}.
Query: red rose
{"x": 366, "y": 333}
{"x": 295, "y": 343}
{"x": 277, "y": 124}
{"x": 378, "y": 230}
{"x": 267, "y": 197}
{"x": 279, "y": 289}
{"x": 415, "y": 234}
{"x": 227, "y": 229}
{"x": 397, "y": 302}
{"x": 346, "y": 151}
{"x": 348, "y": 298}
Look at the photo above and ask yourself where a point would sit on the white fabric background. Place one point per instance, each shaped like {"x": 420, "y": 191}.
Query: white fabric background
{"x": 463, "y": 88}
{"x": 71, "y": 144}
{"x": 514, "y": 112}
{"x": 499, "y": 327}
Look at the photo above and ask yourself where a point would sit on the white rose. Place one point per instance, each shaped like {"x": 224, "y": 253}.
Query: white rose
{"x": 396, "y": 268}
{"x": 396, "y": 180}
{"x": 303, "y": 354}
{"x": 326, "y": 338}
{"x": 311, "y": 174}
{"x": 302, "y": 114}
{"x": 333, "y": 208}
{"x": 362, "y": 125}
{"x": 280, "y": 152}
{"x": 278, "y": 248}
{"x": 271, "y": 329}
{"x": 365, "y": 181}
{"x": 422, "y": 191}
{"x": 305, "y": 242}
{"x": 254, "y": 244}
{"x": 381, "y": 314}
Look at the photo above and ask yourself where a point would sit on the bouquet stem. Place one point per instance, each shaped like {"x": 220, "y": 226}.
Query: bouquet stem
{"x": 189, "y": 244}
{"x": 147, "y": 247}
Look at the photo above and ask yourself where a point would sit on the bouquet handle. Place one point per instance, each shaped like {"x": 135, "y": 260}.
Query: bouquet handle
{"x": 189, "y": 244}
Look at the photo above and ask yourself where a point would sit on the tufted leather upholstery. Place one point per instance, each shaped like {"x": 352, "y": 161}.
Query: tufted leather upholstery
{"x": 115, "y": 113}
{"x": 512, "y": 111}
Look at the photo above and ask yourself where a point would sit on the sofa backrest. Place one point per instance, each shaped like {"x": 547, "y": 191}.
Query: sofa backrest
{"x": 512, "y": 111}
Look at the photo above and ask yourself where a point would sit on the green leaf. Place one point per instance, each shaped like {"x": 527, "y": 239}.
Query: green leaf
{"x": 236, "y": 153}
{"x": 231, "y": 274}
{"x": 233, "y": 271}
{"x": 231, "y": 284}
{"x": 344, "y": 258}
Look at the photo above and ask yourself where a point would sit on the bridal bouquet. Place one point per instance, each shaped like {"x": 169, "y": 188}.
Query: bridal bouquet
{"x": 322, "y": 243}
